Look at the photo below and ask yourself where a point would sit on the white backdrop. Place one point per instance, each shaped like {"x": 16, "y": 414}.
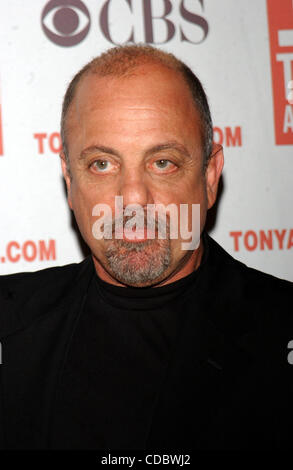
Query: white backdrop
{"x": 241, "y": 50}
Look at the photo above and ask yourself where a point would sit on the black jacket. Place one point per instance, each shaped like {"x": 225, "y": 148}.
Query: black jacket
{"x": 229, "y": 384}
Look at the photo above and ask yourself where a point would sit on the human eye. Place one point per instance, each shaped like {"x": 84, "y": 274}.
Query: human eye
{"x": 164, "y": 165}
{"x": 101, "y": 166}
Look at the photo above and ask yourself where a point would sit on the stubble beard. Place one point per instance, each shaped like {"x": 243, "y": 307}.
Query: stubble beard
{"x": 138, "y": 263}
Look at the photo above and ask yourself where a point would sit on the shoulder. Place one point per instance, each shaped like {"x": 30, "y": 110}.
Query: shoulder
{"x": 241, "y": 292}
{"x": 59, "y": 275}
{"x": 238, "y": 272}
{"x": 30, "y": 295}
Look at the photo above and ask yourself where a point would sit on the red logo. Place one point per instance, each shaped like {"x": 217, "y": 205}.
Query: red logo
{"x": 228, "y": 136}
{"x": 280, "y": 19}
{"x": 273, "y": 239}
{"x": 48, "y": 142}
{"x": 29, "y": 250}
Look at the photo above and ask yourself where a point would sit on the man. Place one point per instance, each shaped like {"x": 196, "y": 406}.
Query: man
{"x": 145, "y": 344}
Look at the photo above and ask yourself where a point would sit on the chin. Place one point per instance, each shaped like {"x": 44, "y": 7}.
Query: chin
{"x": 138, "y": 264}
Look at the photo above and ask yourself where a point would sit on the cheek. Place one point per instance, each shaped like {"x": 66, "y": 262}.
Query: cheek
{"x": 83, "y": 200}
{"x": 79, "y": 195}
{"x": 187, "y": 191}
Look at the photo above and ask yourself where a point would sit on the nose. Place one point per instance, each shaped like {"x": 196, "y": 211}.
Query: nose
{"x": 134, "y": 187}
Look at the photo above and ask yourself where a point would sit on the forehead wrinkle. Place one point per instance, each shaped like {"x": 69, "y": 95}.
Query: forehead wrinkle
{"x": 102, "y": 86}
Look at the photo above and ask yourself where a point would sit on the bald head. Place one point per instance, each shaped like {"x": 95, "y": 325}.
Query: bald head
{"x": 123, "y": 61}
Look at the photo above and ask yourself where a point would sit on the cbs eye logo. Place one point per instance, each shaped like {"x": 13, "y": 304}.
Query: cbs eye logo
{"x": 65, "y": 22}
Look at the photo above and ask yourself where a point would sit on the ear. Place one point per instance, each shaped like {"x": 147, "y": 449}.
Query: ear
{"x": 66, "y": 177}
{"x": 213, "y": 173}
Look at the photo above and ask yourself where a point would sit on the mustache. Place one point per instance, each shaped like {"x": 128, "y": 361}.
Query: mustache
{"x": 154, "y": 222}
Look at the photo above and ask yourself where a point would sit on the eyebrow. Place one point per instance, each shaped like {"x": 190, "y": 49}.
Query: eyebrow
{"x": 97, "y": 148}
{"x": 171, "y": 145}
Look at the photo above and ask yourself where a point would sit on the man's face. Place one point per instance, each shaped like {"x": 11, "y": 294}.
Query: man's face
{"x": 137, "y": 137}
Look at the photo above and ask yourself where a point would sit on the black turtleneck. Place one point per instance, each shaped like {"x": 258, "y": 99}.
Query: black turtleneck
{"x": 117, "y": 361}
